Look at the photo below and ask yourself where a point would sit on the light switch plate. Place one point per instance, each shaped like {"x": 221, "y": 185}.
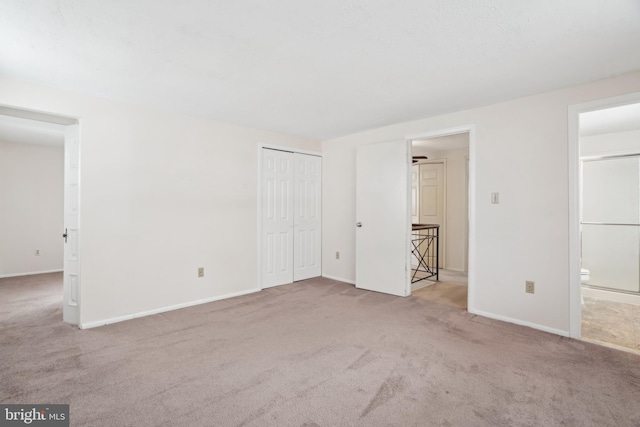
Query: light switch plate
{"x": 495, "y": 198}
{"x": 530, "y": 287}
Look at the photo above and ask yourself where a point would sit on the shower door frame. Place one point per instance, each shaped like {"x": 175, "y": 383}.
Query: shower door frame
{"x": 605, "y": 157}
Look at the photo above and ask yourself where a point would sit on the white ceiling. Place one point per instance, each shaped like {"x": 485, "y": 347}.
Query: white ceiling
{"x": 317, "y": 69}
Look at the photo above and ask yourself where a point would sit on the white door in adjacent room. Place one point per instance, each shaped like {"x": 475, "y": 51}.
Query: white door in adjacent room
{"x": 291, "y": 217}
{"x": 432, "y": 208}
{"x": 71, "y": 277}
{"x": 383, "y": 215}
{"x": 415, "y": 200}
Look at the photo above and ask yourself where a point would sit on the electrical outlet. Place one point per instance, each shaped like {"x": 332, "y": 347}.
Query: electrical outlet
{"x": 200, "y": 271}
{"x": 337, "y": 255}
{"x": 530, "y": 286}
{"x": 37, "y": 252}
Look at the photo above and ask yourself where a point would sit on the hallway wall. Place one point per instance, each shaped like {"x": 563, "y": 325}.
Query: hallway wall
{"x": 31, "y": 208}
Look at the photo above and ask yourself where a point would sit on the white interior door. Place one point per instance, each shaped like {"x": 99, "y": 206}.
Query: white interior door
{"x": 432, "y": 209}
{"x": 277, "y": 218}
{"x": 307, "y": 218}
{"x": 415, "y": 200}
{"x": 383, "y": 214}
{"x": 71, "y": 276}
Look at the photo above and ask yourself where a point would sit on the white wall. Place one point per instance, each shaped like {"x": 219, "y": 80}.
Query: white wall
{"x": 161, "y": 195}
{"x": 521, "y": 151}
{"x": 610, "y": 143}
{"x": 31, "y": 208}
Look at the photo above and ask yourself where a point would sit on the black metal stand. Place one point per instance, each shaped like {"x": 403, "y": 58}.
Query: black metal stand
{"x": 425, "y": 246}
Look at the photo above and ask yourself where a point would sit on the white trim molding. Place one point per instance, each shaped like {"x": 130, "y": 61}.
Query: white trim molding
{"x": 339, "y": 279}
{"x": 520, "y": 322}
{"x": 111, "y": 320}
{"x": 30, "y": 273}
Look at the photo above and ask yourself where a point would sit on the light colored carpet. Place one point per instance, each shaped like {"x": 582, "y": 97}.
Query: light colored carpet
{"x": 314, "y": 353}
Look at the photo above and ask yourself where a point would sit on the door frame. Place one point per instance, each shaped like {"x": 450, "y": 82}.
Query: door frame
{"x": 471, "y": 201}
{"x": 573, "y": 145}
{"x": 65, "y": 120}
{"x": 259, "y": 200}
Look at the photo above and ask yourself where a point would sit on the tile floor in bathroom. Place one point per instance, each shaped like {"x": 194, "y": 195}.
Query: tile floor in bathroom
{"x": 612, "y": 323}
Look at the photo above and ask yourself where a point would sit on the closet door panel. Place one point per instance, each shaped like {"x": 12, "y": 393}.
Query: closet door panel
{"x": 307, "y": 216}
{"x": 277, "y": 218}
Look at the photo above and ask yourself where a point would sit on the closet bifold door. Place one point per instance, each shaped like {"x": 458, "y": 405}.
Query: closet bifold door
{"x": 306, "y": 214}
{"x": 291, "y": 217}
{"x": 277, "y": 217}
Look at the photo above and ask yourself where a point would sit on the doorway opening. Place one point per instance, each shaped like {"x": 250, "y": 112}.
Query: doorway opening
{"x": 440, "y": 196}
{"x": 40, "y": 200}
{"x": 609, "y": 210}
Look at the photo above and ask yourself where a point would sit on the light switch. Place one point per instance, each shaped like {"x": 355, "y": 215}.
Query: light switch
{"x": 495, "y": 198}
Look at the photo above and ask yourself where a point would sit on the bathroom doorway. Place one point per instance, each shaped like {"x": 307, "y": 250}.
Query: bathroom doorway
{"x": 609, "y": 170}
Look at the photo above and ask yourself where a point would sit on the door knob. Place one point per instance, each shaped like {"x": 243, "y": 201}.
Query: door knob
{"x": 65, "y": 235}
{"x": 358, "y": 224}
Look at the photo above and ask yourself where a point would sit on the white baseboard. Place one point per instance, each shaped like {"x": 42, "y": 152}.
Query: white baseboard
{"x": 30, "y": 273}
{"x": 520, "y": 322}
{"x": 103, "y": 322}
{"x": 339, "y": 279}
{"x": 610, "y": 296}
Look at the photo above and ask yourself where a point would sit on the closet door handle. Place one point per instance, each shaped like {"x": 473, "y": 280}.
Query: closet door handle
{"x": 358, "y": 224}
{"x": 65, "y": 235}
